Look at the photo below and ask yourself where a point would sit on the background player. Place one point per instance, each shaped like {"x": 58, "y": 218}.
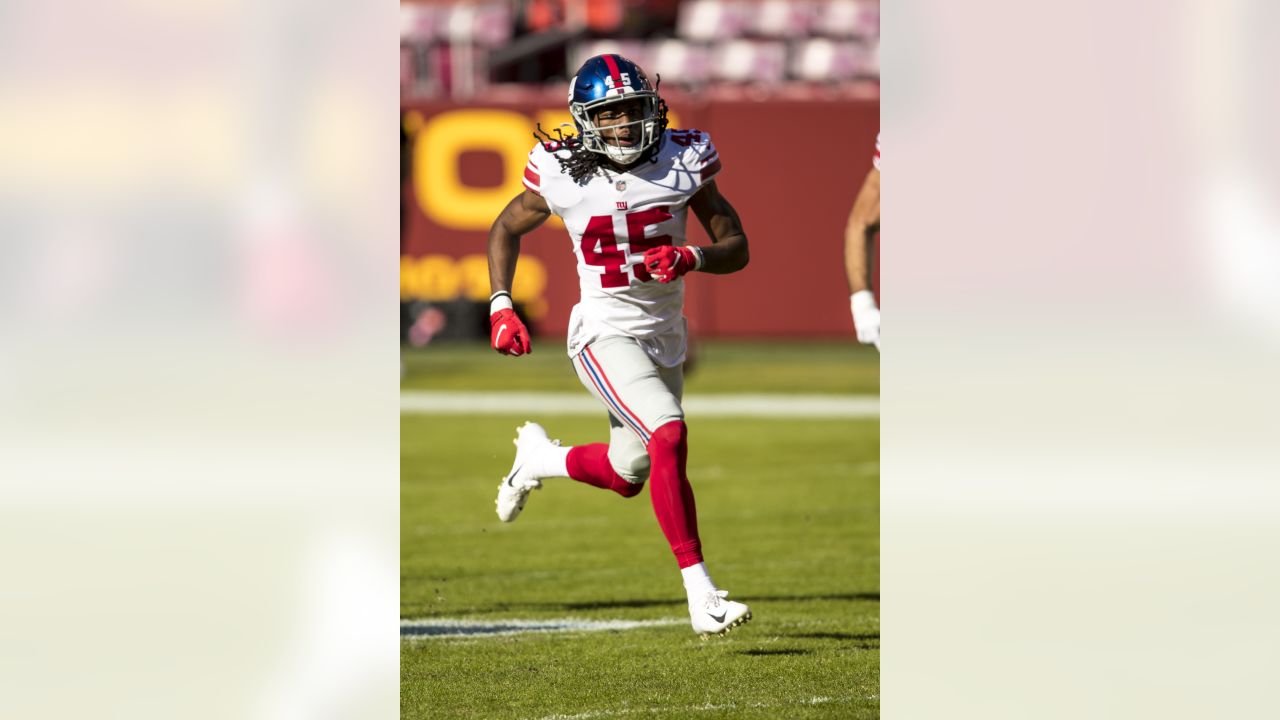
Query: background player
{"x": 859, "y": 234}
{"x": 623, "y": 186}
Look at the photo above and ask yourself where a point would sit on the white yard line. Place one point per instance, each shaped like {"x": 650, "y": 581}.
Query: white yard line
{"x": 686, "y": 709}
{"x": 454, "y": 628}
{"x": 427, "y": 402}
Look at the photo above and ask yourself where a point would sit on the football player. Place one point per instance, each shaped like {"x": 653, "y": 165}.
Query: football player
{"x": 864, "y": 223}
{"x": 623, "y": 184}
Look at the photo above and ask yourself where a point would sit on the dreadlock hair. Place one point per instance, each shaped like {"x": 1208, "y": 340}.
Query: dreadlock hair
{"x": 582, "y": 164}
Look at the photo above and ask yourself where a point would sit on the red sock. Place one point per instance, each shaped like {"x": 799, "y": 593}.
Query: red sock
{"x": 590, "y": 464}
{"x": 671, "y": 493}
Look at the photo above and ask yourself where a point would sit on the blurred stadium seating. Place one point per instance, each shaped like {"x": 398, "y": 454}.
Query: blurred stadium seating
{"x": 462, "y": 49}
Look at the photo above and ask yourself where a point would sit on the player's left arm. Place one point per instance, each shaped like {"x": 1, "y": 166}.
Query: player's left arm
{"x": 864, "y": 223}
{"x": 859, "y": 245}
{"x": 729, "y": 252}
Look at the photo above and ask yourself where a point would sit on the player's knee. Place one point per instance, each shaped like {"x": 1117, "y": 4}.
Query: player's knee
{"x": 630, "y": 489}
{"x": 669, "y": 439}
{"x": 635, "y": 470}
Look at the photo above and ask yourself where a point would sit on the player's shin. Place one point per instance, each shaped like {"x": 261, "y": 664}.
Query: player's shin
{"x": 671, "y": 492}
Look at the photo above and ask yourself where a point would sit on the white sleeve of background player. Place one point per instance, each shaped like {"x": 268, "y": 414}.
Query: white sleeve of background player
{"x": 532, "y": 173}
{"x": 876, "y": 160}
{"x": 706, "y": 161}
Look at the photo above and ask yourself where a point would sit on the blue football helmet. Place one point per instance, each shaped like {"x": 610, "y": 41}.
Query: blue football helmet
{"x": 608, "y": 79}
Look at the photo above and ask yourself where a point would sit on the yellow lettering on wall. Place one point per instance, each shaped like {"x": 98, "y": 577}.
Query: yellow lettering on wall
{"x": 437, "y": 150}
{"x": 440, "y": 278}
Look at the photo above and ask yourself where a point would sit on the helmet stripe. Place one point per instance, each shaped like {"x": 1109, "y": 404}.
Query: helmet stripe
{"x": 613, "y": 70}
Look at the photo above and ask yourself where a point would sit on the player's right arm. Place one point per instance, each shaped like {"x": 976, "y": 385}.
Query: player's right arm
{"x": 522, "y": 215}
{"x": 864, "y": 223}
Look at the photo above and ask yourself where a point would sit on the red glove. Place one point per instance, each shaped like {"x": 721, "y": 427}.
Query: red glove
{"x": 508, "y": 335}
{"x": 667, "y": 263}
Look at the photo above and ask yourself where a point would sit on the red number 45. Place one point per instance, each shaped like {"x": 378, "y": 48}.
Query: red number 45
{"x": 600, "y": 245}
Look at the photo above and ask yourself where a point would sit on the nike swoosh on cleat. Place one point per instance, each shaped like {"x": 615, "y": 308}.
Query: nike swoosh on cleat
{"x": 512, "y": 476}
{"x": 717, "y": 619}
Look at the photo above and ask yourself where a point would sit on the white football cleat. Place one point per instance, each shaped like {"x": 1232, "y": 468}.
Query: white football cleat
{"x": 516, "y": 486}
{"x": 712, "y": 614}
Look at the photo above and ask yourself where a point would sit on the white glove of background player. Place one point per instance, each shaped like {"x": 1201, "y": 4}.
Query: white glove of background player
{"x": 866, "y": 317}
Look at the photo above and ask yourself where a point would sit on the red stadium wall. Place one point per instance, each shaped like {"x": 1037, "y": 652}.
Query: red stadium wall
{"x": 791, "y": 168}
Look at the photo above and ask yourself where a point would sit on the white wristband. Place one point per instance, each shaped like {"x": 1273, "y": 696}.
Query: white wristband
{"x": 862, "y": 300}
{"x": 699, "y": 260}
{"x": 500, "y": 301}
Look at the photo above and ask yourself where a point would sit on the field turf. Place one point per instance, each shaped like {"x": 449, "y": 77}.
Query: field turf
{"x": 788, "y": 513}
{"x": 719, "y": 367}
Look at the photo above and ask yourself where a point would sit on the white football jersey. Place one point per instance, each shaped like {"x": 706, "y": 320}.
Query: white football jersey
{"x": 612, "y": 220}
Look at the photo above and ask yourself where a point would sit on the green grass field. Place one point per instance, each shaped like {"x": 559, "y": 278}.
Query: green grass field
{"x": 788, "y": 513}
{"x": 719, "y": 367}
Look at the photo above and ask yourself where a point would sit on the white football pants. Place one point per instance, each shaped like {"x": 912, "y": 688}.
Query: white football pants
{"x": 639, "y": 395}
